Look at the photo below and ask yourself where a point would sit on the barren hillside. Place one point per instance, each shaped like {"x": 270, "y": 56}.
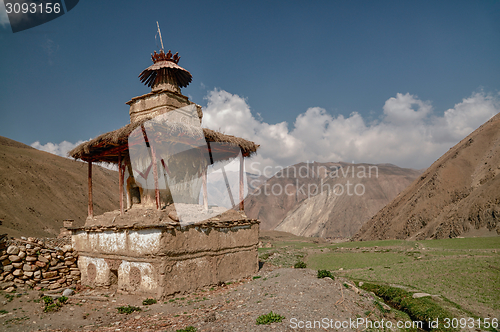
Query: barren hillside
{"x": 459, "y": 194}
{"x": 347, "y": 196}
{"x": 38, "y": 190}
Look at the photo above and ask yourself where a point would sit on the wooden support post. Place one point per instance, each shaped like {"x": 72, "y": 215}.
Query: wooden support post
{"x": 228, "y": 187}
{"x": 91, "y": 205}
{"x": 155, "y": 174}
{"x": 205, "y": 189}
{"x": 242, "y": 188}
{"x": 121, "y": 173}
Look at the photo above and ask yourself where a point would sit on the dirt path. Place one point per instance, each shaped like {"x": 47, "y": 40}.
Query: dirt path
{"x": 296, "y": 294}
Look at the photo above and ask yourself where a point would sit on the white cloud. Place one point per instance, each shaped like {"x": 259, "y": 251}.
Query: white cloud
{"x": 60, "y": 149}
{"x": 408, "y": 133}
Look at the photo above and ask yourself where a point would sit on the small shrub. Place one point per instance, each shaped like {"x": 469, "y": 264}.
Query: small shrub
{"x": 187, "y": 329}
{"x": 422, "y": 309}
{"x": 62, "y": 299}
{"x": 266, "y": 255}
{"x": 148, "y": 301}
{"x": 380, "y": 307}
{"x": 325, "y": 273}
{"x": 3, "y": 312}
{"x": 300, "y": 265}
{"x": 52, "y": 307}
{"x": 256, "y": 277}
{"x": 128, "y": 309}
{"x": 47, "y": 300}
{"x": 269, "y": 318}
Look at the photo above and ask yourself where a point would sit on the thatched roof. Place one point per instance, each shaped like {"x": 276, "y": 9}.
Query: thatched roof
{"x": 106, "y": 147}
{"x": 165, "y": 69}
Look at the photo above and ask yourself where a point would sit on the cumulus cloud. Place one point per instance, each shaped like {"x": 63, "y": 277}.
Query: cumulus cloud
{"x": 60, "y": 149}
{"x": 408, "y": 134}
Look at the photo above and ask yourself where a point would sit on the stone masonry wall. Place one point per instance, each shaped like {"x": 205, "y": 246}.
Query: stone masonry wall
{"x": 37, "y": 263}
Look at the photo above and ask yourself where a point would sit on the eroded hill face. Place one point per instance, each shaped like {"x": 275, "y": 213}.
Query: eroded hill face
{"x": 458, "y": 195}
{"x": 38, "y": 190}
{"x": 329, "y": 200}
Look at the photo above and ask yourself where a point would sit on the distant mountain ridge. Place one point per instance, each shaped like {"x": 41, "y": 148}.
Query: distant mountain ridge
{"x": 38, "y": 190}
{"x": 347, "y": 196}
{"x": 458, "y": 194}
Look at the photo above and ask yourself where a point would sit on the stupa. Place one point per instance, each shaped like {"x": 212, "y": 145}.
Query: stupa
{"x": 163, "y": 241}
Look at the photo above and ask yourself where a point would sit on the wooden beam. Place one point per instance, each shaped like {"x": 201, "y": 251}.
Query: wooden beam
{"x": 121, "y": 174}
{"x": 228, "y": 187}
{"x": 91, "y": 204}
{"x": 205, "y": 190}
{"x": 155, "y": 174}
{"x": 242, "y": 188}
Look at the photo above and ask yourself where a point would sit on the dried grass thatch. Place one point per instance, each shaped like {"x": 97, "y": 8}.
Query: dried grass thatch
{"x": 165, "y": 71}
{"x": 107, "y": 147}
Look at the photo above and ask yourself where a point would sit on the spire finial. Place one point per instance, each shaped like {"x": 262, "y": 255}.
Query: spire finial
{"x": 159, "y": 32}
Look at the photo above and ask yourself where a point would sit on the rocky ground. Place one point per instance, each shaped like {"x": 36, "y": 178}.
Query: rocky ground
{"x": 296, "y": 294}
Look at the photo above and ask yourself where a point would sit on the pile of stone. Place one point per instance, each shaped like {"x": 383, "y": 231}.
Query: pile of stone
{"x": 35, "y": 263}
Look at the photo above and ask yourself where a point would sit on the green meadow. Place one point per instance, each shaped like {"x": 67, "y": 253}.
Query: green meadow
{"x": 463, "y": 272}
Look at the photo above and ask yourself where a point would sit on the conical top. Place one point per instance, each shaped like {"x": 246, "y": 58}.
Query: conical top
{"x": 165, "y": 73}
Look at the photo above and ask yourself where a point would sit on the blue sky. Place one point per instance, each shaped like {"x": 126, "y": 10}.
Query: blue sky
{"x": 393, "y": 81}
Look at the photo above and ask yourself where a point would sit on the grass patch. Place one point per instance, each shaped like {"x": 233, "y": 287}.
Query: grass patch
{"x": 269, "y": 318}
{"x": 149, "y": 301}
{"x": 371, "y": 244}
{"x": 51, "y": 305}
{"x": 423, "y": 309}
{"x": 457, "y": 268}
{"x": 128, "y": 309}
{"x": 300, "y": 265}
{"x": 466, "y": 243}
{"x": 438, "y": 275}
{"x": 324, "y": 274}
{"x": 353, "y": 260}
{"x": 256, "y": 277}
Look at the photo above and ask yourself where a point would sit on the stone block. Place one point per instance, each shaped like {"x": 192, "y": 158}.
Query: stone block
{"x": 13, "y": 250}
{"x": 40, "y": 264}
{"x": 17, "y": 273}
{"x": 15, "y": 258}
{"x": 29, "y": 267}
{"x": 50, "y": 274}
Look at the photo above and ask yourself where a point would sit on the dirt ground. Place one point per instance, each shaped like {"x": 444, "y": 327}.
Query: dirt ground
{"x": 296, "y": 294}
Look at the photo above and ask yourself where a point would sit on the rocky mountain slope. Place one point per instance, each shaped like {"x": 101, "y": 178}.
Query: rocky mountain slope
{"x": 329, "y": 200}
{"x": 458, "y": 195}
{"x": 38, "y": 190}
